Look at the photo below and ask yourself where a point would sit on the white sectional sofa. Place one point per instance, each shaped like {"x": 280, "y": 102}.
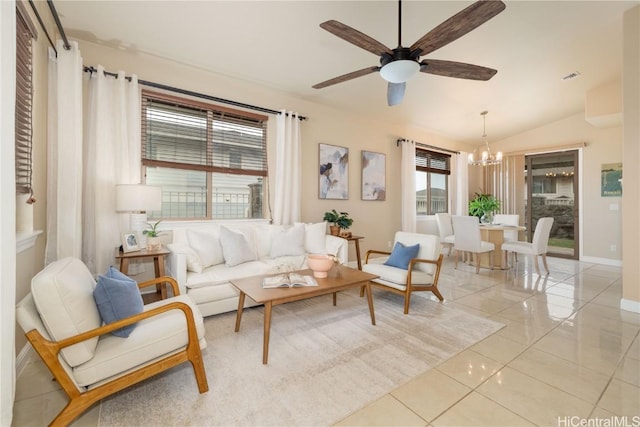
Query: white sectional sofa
{"x": 205, "y": 256}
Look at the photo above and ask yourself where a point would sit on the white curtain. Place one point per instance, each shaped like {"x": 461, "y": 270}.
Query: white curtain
{"x": 460, "y": 204}
{"x": 64, "y": 219}
{"x": 112, "y": 156}
{"x": 408, "y": 185}
{"x": 506, "y": 182}
{"x": 287, "y": 195}
{"x": 7, "y": 213}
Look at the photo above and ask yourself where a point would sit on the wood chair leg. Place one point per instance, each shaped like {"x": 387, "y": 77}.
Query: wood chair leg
{"x": 535, "y": 262}
{"x": 437, "y": 293}
{"x": 407, "y": 301}
{"x": 477, "y": 259}
{"x": 456, "y": 260}
{"x": 544, "y": 261}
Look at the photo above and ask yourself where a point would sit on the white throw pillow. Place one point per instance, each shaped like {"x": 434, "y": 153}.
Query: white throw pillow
{"x": 235, "y": 247}
{"x": 315, "y": 238}
{"x": 207, "y": 247}
{"x": 288, "y": 242}
{"x": 193, "y": 260}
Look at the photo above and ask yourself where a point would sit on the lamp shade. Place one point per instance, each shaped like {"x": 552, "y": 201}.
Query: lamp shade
{"x": 399, "y": 71}
{"x": 138, "y": 198}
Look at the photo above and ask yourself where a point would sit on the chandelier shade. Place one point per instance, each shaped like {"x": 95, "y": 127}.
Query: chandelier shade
{"x": 487, "y": 157}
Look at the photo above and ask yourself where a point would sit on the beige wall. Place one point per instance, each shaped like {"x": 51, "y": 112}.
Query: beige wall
{"x": 631, "y": 176}
{"x": 376, "y": 221}
{"x": 29, "y": 262}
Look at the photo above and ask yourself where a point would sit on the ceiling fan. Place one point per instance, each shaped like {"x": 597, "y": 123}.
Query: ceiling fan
{"x": 400, "y": 64}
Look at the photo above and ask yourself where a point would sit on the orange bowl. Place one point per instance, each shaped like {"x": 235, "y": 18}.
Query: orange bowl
{"x": 320, "y": 264}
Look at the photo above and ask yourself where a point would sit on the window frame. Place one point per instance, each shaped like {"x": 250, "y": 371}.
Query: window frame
{"x": 210, "y": 163}
{"x": 433, "y": 162}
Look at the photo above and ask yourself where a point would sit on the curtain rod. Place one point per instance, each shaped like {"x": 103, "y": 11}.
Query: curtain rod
{"x": 433, "y": 147}
{"x": 56, "y": 18}
{"x": 35, "y": 11}
{"x": 92, "y": 69}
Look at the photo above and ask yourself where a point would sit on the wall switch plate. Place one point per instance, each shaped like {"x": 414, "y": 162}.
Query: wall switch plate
{"x": 614, "y": 207}
{"x": 612, "y": 248}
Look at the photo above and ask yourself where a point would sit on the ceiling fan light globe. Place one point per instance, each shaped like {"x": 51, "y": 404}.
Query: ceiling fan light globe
{"x": 399, "y": 71}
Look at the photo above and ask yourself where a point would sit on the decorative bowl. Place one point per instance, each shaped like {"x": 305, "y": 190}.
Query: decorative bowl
{"x": 320, "y": 264}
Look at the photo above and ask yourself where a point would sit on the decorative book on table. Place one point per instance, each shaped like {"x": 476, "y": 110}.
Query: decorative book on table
{"x": 288, "y": 280}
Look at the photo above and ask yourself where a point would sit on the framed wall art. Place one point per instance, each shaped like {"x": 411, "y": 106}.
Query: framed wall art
{"x": 611, "y": 180}
{"x": 333, "y": 180}
{"x": 130, "y": 242}
{"x": 373, "y": 176}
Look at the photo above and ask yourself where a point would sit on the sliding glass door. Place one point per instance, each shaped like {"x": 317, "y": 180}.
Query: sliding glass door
{"x": 552, "y": 191}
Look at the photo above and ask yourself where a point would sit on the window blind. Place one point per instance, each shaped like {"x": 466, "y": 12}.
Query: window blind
{"x": 24, "y": 100}
{"x": 432, "y": 161}
{"x": 177, "y": 134}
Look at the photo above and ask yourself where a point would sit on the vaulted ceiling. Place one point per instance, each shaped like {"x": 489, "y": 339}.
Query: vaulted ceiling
{"x": 279, "y": 44}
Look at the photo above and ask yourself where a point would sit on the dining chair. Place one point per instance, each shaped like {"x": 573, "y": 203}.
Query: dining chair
{"x": 537, "y": 247}
{"x": 466, "y": 230}
{"x": 508, "y": 235}
{"x": 445, "y": 229}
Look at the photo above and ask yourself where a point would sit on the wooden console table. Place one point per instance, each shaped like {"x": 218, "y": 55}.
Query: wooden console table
{"x": 158, "y": 256}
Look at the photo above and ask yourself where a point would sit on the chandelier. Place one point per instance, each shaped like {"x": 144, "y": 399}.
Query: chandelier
{"x": 487, "y": 158}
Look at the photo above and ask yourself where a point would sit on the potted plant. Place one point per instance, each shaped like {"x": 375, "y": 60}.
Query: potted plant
{"x": 340, "y": 221}
{"x": 483, "y": 206}
{"x": 152, "y": 233}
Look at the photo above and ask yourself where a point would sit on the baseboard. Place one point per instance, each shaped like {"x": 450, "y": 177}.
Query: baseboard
{"x": 604, "y": 261}
{"x": 630, "y": 305}
{"x": 23, "y": 358}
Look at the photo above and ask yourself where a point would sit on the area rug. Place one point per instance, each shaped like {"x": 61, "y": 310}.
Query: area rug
{"x": 325, "y": 362}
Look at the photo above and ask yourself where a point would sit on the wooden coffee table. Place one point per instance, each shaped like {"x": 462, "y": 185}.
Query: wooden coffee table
{"x": 339, "y": 279}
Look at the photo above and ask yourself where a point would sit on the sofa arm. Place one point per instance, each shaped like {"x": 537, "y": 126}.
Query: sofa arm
{"x": 338, "y": 247}
{"x": 177, "y": 265}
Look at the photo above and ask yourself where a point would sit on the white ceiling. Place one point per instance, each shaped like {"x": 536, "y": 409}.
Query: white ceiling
{"x": 279, "y": 44}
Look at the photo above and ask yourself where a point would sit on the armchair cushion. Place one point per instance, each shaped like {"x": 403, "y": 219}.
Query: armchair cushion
{"x": 117, "y": 296}
{"x": 396, "y": 277}
{"x": 402, "y": 255}
{"x": 63, "y": 295}
{"x": 153, "y": 337}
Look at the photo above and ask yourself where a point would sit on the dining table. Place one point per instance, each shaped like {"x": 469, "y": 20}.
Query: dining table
{"x": 494, "y": 233}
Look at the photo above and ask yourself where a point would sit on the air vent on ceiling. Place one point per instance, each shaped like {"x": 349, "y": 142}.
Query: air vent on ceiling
{"x": 571, "y": 75}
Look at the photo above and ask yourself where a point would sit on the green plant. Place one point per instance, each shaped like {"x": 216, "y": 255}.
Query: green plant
{"x": 483, "y": 203}
{"x": 153, "y": 230}
{"x": 340, "y": 219}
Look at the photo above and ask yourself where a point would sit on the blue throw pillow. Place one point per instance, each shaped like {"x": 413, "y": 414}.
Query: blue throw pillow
{"x": 117, "y": 296}
{"x": 401, "y": 255}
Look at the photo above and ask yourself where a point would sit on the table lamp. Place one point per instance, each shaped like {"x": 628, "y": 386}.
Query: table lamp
{"x": 137, "y": 199}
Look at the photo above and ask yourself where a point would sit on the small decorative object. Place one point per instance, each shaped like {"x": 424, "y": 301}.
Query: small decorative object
{"x": 320, "y": 264}
{"x": 333, "y": 180}
{"x": 340, "y": 221}
{"x": 483, "y": 206}
{"x": 373, "y": 176}
{"x": 153, "y": 239}
{"x": 130, "y": 242}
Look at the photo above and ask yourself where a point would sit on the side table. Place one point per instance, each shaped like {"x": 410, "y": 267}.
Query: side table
{"x": 158, "y": 256}
{"x": 356, "y": 239}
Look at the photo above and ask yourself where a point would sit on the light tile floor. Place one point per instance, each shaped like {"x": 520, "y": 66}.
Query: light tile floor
{"x": 567, "y": 351}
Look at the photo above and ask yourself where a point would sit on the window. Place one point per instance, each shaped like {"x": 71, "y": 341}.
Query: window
{"x": 25, "y": 33}
{"x": 432, "y": 182}
{"x": 210, "y": 161}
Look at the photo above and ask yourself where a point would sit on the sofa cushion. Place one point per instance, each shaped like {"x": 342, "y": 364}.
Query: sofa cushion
{"x": 402, "y": 255}
{"x": 315, "y": 238}
{"x": 289, "y": 241}
{"x": 235, "y": 247}
{"x": 117, "y": 296}
{"x": 63, "y": 295}
{"x": 206, "y": 245}
{"x": 153, "y": 337}
{"x": 222, "y": 274}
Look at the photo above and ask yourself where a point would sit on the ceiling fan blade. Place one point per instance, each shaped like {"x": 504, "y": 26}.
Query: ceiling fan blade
{"x": 458, "y": 25}
{"x": 345, "y": 77}
{"x": 459, "y": 70}
{"x": 395, "y": 93}
{"x": 355, "y": 37}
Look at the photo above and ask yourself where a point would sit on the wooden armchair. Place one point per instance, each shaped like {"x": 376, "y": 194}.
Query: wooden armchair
{"x": 422, "y": 271}
{"x": 91, "y": 363}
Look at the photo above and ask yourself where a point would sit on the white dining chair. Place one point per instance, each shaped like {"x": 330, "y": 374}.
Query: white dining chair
{"x": 537, "y": 247}
{"x": 508, "y": 235}
{"x": 466, "y": 231}
{"x": 445, "y": 229}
